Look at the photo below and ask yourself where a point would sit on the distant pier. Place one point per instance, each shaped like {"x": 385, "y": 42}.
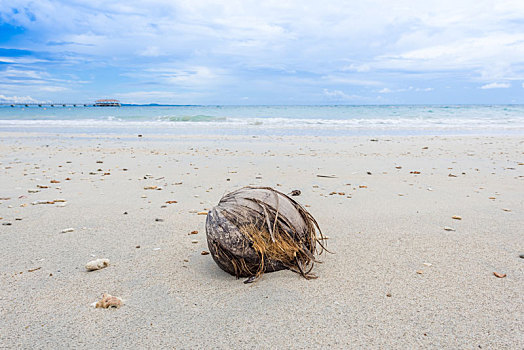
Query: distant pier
{"x": 44, "y": 104}
{"x": 98, "y": 103}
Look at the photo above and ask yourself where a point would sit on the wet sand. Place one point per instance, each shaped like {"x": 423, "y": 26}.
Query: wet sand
{"x": 404, "y": 273}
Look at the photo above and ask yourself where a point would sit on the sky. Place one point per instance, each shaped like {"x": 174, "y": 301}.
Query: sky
{"x": 263, "y": 52}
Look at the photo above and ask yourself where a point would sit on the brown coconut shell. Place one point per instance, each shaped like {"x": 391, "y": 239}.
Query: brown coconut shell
{"x": 259, "y": 229}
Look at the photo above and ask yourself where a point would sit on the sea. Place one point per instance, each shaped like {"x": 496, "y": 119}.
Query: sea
{"x": 339, "y": 120}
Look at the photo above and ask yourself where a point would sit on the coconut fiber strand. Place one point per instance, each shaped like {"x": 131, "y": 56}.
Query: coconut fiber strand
{"x": 258, "y": 229}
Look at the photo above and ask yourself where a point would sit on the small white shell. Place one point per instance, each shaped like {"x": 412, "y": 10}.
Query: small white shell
{"x": 97, "y": 264}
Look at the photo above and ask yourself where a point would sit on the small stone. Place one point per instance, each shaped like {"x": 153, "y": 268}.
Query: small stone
{"x": 204, "y": 252}
{"x": 521, "y": 256}
{"x": 66, "y": 230}
{"x": 32, "y": 190}
{"x": 426, "y": 264}
{"x": 447, "y": 228}
{"x": 202, "y": 213}
{"x": 97, "y": 264}
{"x": 420, "y": 272}
{"x": 456, "y": 217}
{"x": 6, "y": 223}
{"x": 194, "y": 232}
{"x": 506, "y": 209}
{"x": 159, "y": 220}
{"x": 137, "y": 246}
{"x": 388, "y": 295}
{"x": 194, "y": 241}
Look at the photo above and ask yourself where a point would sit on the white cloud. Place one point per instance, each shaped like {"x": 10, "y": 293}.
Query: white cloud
{"x": 17, "y": 99}
{"x": 339, "y": 95}
{"x": 496, "y": 86}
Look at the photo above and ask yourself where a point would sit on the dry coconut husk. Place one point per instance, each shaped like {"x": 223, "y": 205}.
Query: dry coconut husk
{"x": 259, "y": 229}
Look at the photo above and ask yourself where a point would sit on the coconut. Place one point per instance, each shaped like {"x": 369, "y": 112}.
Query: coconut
{"x": 259, "y": 229}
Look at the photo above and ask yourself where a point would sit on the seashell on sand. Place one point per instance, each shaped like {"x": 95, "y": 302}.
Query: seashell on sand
{"x": 109, "y": 302}
{"x": 97, "y": 264}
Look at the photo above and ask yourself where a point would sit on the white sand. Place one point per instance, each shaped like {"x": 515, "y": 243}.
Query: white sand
{"x": 381, "y": 237}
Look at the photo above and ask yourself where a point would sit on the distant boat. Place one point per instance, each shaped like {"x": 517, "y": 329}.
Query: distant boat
{"x": 107, "y": 103}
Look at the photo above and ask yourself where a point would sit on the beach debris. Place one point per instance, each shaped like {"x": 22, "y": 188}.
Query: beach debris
{"x": 99, "y": 162}
{"x": 193, "y": 232}
{"x": 6, "y": 223}
{"x": 499, "y": 275}
{"x": 327, "y": 176}
{"x": 398, "y": 167}
{"x": 150, "y": 187}
{"x": 194, "y": 241}
{"x": 420, "y": 272}
{"x": 204, "y": 252}
{"x": 54, "y": 181}
{"x": 66, "y": 230}
{"x": 202, "y": 213}
{"x": 447, "y": 228}
{"x": 33, "y": 190}
{"x": 295, "y": 193}
{"x": 362, "y": 186}
{"x": 97, "y": 264}
{"x": 42, "y": 202}
{"x": 427, "y": 264}
{"x": 456, "y": 217}
{"x": 139, "y": 135}
{"x": 108, "y": 302}
{"x": 258, "y": 229}
{"x": 42, "y": 186}
{"x": 35, "y": 269}
{"x": 156, "y": 248}
{"x": 452, "y": 175}
{"x": 425, "y": 147}
{"x": 506, "y": 209}
{"x": 159, "y": 220}
{"x": 416, "y": 172}
{"x": 171, "y": 202}
{"x": 368, "y": 172}
{"x": 521, "y": 256}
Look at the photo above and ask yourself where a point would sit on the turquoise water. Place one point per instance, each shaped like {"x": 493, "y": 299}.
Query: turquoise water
{"x": 270, "y": 120}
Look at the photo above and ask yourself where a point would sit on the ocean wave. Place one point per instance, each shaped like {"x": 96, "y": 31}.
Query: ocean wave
{"x": 278, "y": 123}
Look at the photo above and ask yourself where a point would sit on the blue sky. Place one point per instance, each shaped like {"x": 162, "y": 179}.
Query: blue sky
{"x": 269, "y": 52}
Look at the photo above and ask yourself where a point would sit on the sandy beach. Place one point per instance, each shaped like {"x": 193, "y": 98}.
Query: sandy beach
{"x": 403, "y": 274}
